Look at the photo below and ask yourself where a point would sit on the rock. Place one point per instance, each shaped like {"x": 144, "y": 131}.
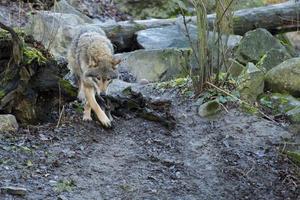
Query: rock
{"x": 285, "y": 77}
{"x": 117, "y": 86}
{"x": 273, "y": 58}
{"x": 255, "y": 44}
{"x": 294, "y": 37}
{"x": 155, "y": 65}
{"x": 161, "y": 38}
{"x": 63, "y": 6}
{"x": 62, "y": 197}
{"x": 8, "y": 123}
{"x": 294, "y": 115}
{"x": 20, "y": 191}
{"x": 144, "y": 81}
{"x": 175, "y": 36}
{"x": 56, "y": 30}
{"x": 251, "y": 82}
{"x": 209, "y": 109}
{"x": 236, "y": 68}
{"x": 142, "y": 9}
{"x": 280, "y": 103}
{"x": 288, "y": 43}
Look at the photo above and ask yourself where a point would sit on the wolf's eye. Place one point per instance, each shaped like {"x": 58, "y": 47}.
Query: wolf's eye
{"x": 106, "y": 80}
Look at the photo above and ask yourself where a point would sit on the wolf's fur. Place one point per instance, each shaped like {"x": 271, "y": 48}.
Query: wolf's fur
{"x": 91, "y": 61}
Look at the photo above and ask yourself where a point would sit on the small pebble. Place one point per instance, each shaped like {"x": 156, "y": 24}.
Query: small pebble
{"x": 144, "y": 81}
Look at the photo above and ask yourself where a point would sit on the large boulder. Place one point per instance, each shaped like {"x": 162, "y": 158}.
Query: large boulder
{"x": 256, "y": 44}
{"x": 294, "y": 115}
{"x": 174, "y": 36}
{"x": 56, "y": 30}
{"x": 8, "y": 123}
{"x": 155, "y": 65}
{"x": 294, "y": 38}
{"x": 64, "y": 7}
{"x": 251, "y": 82}
{"x": 117, "y": 86}
{"x": 283, "y": 104}
{"x": 285, "y": 77}
{"x": 273, "y": 58}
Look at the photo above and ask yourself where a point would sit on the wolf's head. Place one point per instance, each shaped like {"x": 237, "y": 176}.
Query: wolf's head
{"x": 103, "y": 73}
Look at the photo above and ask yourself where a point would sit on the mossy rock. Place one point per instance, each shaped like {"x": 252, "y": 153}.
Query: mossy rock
{"x": 279, "y": 103}
{"x": 236, "y": 68}
{"x": 209, "y": 109}
{"x": 285, "y": 78}
{"x": 294, "y": 115}
{"x": 251, "y": 83}
{"x": 255, "y": 44}
{"x": 285, "y": 41}
{"x": 273, "y": 58}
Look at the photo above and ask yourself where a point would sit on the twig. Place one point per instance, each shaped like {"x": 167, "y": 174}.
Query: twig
{"x": 189, "y": 36}
{"x": 240, "y": 101}
{"x": 224, "y": 108}
{"x": 60, "y": 116}
{"x": 252, "y": 168}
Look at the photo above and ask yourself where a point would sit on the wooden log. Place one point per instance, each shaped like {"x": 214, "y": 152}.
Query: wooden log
{"x": 130, "y": 101}
{"x": 278, "y": 18}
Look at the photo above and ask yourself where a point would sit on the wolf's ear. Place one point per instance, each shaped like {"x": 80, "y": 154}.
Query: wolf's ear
{"x": 115, "y": 62}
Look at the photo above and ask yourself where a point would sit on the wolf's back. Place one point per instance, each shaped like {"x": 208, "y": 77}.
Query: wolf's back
{"x": 74, "y": 50}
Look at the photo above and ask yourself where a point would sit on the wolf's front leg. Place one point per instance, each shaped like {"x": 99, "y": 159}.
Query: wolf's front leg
{"x": 81, "y": 95}
{"x": 91, "y": 100}
{"x": 87, "y": 112}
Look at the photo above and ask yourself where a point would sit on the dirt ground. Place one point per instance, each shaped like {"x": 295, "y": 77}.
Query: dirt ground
{"x": 236, "y": 156}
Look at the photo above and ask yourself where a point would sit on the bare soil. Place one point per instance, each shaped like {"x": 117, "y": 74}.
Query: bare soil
{"x": 235, "y": 156}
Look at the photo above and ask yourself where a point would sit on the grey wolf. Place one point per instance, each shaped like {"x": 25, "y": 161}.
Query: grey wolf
{"x": 90, "y": 60}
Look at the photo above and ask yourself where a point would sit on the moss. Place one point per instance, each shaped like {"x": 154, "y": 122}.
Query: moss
{"x": 78, "y": 107}
{"x": 2, "y": 94}
{"x": 32, "y": 54}
{"x": 68, "y": 88}
{"x": 284, "y": 40}
{"x": 261, "y": 61}
{"x": 64, "y": 186}
{"x": 249, "y": 108}
{"x": 6, "y": 35}
{"x": 184, "y": 85}
{"x": 294, "y": 156}
{"x": 138, "y": 27}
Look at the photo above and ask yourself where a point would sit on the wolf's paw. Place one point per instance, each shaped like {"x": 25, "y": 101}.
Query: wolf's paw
{"x": 87, "y": 118}
{"x": 105, "y": 122}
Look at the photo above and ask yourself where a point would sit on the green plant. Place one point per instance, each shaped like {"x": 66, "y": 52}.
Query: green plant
{"x": 64, "y": 186}
{"x": 32, "y": 54}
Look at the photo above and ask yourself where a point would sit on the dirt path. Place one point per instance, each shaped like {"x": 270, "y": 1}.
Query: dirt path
{"x": 232, "y": 157}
